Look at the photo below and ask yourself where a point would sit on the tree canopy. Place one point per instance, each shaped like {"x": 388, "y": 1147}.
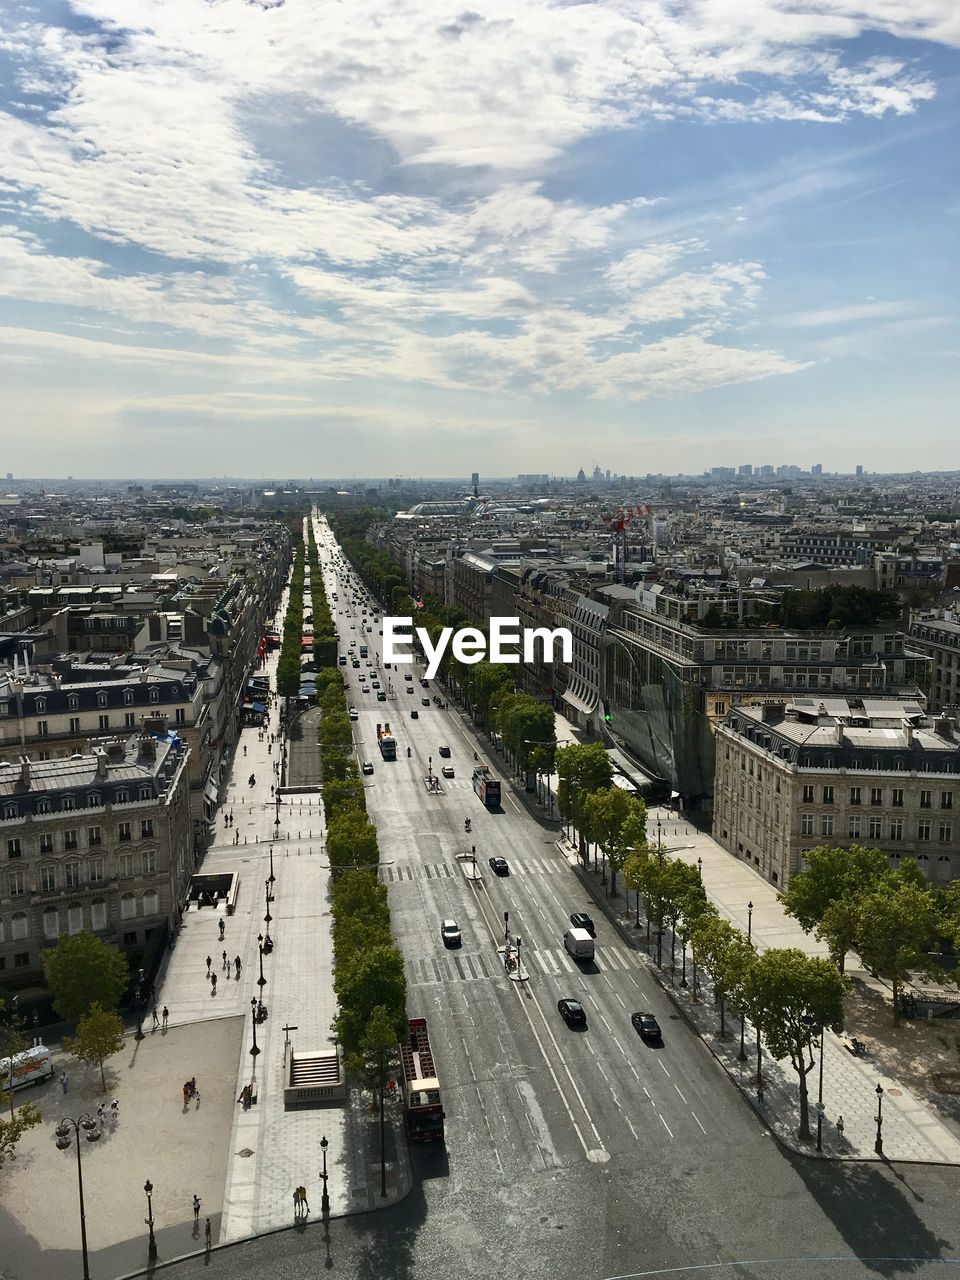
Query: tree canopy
{"x": 81, "y": 970}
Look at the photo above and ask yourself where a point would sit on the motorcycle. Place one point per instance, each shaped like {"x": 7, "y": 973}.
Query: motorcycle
{"x": 466, "y": 825}
{"x": 252, "y": 780}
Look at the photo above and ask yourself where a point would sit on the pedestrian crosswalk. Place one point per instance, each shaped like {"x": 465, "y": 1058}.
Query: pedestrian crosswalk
{"x": 395, "y": 872}
{"x": 552, "y": 961}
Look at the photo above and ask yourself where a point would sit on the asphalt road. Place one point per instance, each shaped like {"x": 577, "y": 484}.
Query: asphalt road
{"x": 574, "y": 1154}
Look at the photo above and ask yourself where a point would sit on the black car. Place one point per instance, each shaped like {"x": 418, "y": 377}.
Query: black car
{"x": 647, "y": 1027}
{"x": 424, "y": 702}
{"x": 445, "y": 752}
{"x": 572, "y": 1012}
{"x": 580, "y": 920}
{"x": 414, "y": 714}
{"x": 499, "y": 866}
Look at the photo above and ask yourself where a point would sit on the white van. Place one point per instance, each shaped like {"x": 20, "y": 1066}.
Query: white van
{"x": 579, "y": 944}
{"x": 33, "y": 1066}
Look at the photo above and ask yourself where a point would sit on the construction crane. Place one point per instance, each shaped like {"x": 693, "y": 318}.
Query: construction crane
{"x": 618, "y": 521}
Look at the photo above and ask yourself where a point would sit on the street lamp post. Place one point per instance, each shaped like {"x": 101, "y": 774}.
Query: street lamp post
{"x": 742, "y": 1055}
{"x": 749, "y": 921}
{"x": 268, "y": 917}
{"x": 659, "y": 899}
{"x": 261, "y": 981}
{"x": 506, "y": 926}
{"x": 253, "y": 1019}
{"x": 519, "y": 940}
{"x": 152, "y": 1247}
{"x": 700, "y": 869}
{"x": 272, "y": 876}
{"x": 878, "y": 1145}
{"x": 324, "y": 1197}
{"x": 86, "y": 1122}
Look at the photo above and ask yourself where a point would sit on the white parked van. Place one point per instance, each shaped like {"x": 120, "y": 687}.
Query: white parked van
{"x": 579, "y": 944}
{"x": 33, "y": 1066}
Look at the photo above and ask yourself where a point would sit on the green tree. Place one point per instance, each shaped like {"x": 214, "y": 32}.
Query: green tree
{"x": 690, "y": 909}
{"x": 679, "y": 881}
{"x": 12, "y": 1039}
{"x": 371, "y": 1064}
{"x": 82, "y": 971}
{"x": 897, "y": 926}
{"x": 12, "y": 1130}
{"x": 717, "y": 948}
{"x": 789, "y": 996}
{"x": 833, "y": 876}
{"x": 99, "y": 1036}
{"x": 372, "y": 978}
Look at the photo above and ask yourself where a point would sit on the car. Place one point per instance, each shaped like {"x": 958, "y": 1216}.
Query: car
{"x": 355, "y": 663}
{"x": 409, "y": 688}
{"x": 580, "y": 920}
{"x": 374, "y": 684}
{"x": 364, "y": 688}
{"x": 647, "y": 1027}
{"x": 572, "y": 1012}
{"x": 445, "y": 752}
{"x": 447, "y": 770}
{"x": 414, "y": 714}
{"x": 424, "y": 702}
{"x": 381, "y": 696}
{"x": 353, "y": 713}
{"x": 424, "y": 683}
{"x": 450, "y": 933}
{"x": 499, "y": 866}
{"x": 407, "y": 676}
{"x": 369, "y": 662}
{"x": 386, "y": 664}
{"x": 367, "y": 767}
{"x": 361, "y": 677}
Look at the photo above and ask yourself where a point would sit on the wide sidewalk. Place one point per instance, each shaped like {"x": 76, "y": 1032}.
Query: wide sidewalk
{"x": 911, "y": 1130}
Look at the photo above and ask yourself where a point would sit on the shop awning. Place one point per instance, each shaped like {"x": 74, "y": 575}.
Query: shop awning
{"x": 211, "y": 791}
{"x": 259, "y": 708}
{"x": 582, "y": 699}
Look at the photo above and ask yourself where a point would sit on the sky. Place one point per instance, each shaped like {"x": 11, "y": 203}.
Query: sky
{"x": 283, "y": 238}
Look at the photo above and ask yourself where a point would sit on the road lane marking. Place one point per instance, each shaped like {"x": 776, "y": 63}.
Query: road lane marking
{"x": 677, "y": 1087}
{"x": 665, "y": 1125}
{"x": 664, "y": 1069}
{"x": 697, "y": 1118}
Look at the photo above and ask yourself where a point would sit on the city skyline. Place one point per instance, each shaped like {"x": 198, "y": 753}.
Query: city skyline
{"x": 231, "y": 240}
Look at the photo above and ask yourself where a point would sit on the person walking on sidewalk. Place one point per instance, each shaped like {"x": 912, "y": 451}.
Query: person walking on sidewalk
{"x": 237, "y": 964}
{"x": 303, "y": 1200}
{"x": 166, "y": 1015}
{"x": 213, "y": 984}
{"x": 296, "y": 1202}
{"x": 839, "y": 1128}
{"x": 223, "y": 925}
{"x": 196, "y": 1207}
{"x": 209, "y": 962}
{"x": 226, "y": 962}
{"x": 156, "y": 1018}
{"x": 208, "y": 1234}
{"x": 64, "y": 1081}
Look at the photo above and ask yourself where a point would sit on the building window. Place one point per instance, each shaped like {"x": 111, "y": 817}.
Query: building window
{"x": 946, "y": 799}
{"x": 123, "y": 831}
{"x": 875, "y": 827}
{"x": 70, "y": 840}
{"x": 98, "y": 914}
{"x": 180, "y": 716}
{"x": 125, "y": 866}
{"x": 95, "y": 867}
{"x": 72, "y": 875}
{"x": 945, "y": 832}
{"x": 74, "y": 724}
{"x": 68, "y": 802}
{"x": 73, "y": 702}
{"x": 128, "y": 697}
{"x": 808, "y": 795}
{"x": 15, "y": 884}
{"x": 876, "y": 796}
{"x": 129, "y": 720}
{"x": 923, "y": 829}
{"x": 720, "y": 708}
{"x": 828, "y": 795}
{"x": 146, "y": 829}
{"x": 853, "y": 827}
{"x": 926, "y": 799}
{"x": 896, "y": 828}
{"x": 101, "y": 698}
{"x": 13, "y": 847}
{"x": 103, "y": 722}
{"x": 19, "y": 926}
{"x": 46, "y": 843}
{"x": 826, "y": 824}
{"x": 897, "y": 798}
{"x": 149, "y": 861}
{"x": 51, "y": 923}
{"x": 130, "y": 938}
{"x": 806, "y": 824}
{"x": 151, "y": 902}
{"x": 128, "y": 906}
{"x": 154, "y": 695}
{"x": 43, "y": 729}
{"x": 11, "y": 811}
{"x": 943, "y": 867}
{"x": 48, "y": 877}
{"x": 74, "y": 917}
{"x": 94, "y": 836}
{"x": 43, "y": 806}
{"x": 145, "y": 793}
{"x": 854, "y": 795}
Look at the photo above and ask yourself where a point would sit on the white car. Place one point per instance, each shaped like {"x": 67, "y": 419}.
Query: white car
{"x": 450, "y": 933}
{"x": 353, "y": 713}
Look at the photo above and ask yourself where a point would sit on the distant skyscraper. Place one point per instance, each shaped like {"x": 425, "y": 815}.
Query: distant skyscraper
{"x": 475, "y": 481}
{"x": 581, "y": 478}
{"x": 859, "y": 470}
{"x": 597, "y": 473}
{"x": 817, "y": 469}
{"x": 746, "y": 469}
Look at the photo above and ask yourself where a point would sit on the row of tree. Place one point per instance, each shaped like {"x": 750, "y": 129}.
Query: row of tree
{"x": 288, "y": 664}
{"x": 894, "y": 920}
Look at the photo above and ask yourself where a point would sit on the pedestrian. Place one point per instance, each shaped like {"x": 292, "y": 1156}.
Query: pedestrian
{"x": 226, "y": 962}
{"x": 64, "y": 1081}
{"x": 101, "y": 1112}
{"x": 237, "y": 964}
{"x": 229, "y": 971}
{"x": 166, "y": 1015}
{"x": 208, "y": 1233}
{"x": 209, "y": 962}
{"x": 196, "y": 1207}
{"x": 186, "y": 1095}
{"x": 296, "y": 1202}
{"x": 244, "y": 750}
{"x": 840, "y": 1128}
{"x": 196, "y": 1097}
{"x": 156, "y": 1018}
{"x": 115, "y": 1110}
{"x": 222, "y": 927}
{"x": 213, "y": 984}
{"x": 303, "y": 1200}
{"x": 760, "y": 1094}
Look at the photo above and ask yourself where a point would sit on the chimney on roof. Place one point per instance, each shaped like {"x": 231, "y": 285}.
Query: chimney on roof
{"x": 908, "y": 732}
{"x": 101, "y": 758}
{"x": 25, "y": 772}
{"x": 944, "y": 727}
{"x": 148, "y": 747}
{"x": 838, "y": 727}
